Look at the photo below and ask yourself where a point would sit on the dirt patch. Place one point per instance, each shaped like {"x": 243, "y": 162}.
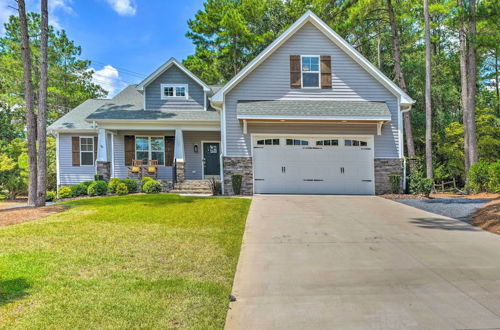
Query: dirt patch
{"x": 19, "y": 215}
{"x": 488, "y": 217}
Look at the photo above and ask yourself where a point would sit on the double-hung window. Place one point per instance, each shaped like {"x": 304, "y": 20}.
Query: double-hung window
{"x": 150, "y": 148}
{"x": 310, "y": 71}
{"x": 169, "y": 91}
{"x": 86, "y": 150}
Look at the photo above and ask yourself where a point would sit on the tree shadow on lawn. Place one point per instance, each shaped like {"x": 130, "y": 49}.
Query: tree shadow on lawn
{"x": 153, "y": 200}
{"x": 11, "y": 290}
{"x": 442, "y": 223}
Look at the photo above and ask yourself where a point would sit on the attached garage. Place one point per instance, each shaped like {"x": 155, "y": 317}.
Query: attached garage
{"x": 291, "y": 164}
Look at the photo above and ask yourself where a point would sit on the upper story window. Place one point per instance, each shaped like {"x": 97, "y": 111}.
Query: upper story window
{"x": 169, "y": 91}
{"x": 310, "y": 71}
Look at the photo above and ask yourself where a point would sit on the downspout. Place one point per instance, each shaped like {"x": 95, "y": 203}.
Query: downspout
{"x": 404, "y": 158}
{"x": 221, "y": 156}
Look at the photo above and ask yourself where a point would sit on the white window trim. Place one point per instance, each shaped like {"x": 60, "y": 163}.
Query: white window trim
{"x": 163, "y": 97}
{"x": 149, "y": 147}
{"x": 302, "y": 72}
{"x": 92, "y": 152}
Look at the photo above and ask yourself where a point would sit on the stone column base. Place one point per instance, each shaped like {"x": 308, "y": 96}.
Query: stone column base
{"x": 238, "y": 165}
{"x": 384, "y": 167}
{"x": 180, "y": 172}
{"x": 104, "y": 168}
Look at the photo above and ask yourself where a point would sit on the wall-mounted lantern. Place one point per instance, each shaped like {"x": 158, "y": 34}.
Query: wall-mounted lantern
{"x": 195, "y": 148}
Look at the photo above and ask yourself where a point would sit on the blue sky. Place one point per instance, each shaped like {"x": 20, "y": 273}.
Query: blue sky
{"x": 124, "y": 39}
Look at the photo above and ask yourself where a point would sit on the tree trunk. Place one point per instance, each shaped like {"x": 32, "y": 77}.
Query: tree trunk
{"x": 428, "y": 103}
{"x": 464, "y": 95}
{"x": 471, "y": 87}
{"x": 28, "y": 99}
{"x": 410, "y": 146}
{"x": 42, "y": 108}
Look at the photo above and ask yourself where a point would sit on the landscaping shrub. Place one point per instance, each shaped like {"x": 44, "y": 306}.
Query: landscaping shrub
{"x": 426, "y": 186}
{"x": 131, "y": 185}
{"x": 494, "y": 174}
{"x": 97, "y": 188}
{"x": 64, "y": 192}
{"x": 420, "y": 184}
{"x": 112, "y": 184}
{"x": 50, "y": 196}
{"x": 79, "y": 190}
{"x": 151, "y": 187}
{"x": 236, "y": 180}
{"x": 478, "y": 176}
{"x": 86, "y": 183}
{"x": 144, "y": 180}
{"x": 395, "y": 182}
{"x": 121, "y": 189}
{"x": 215, "y": 186}
{"x": 98, "y": 177}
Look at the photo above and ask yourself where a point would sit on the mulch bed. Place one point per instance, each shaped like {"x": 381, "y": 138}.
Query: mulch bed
{"x": 488, "y": 217}
{"x": 19, "y": 215}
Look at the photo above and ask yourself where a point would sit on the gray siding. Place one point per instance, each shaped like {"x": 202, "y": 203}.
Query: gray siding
{"x": 271, "y": 81}
{"x": 174, "y": 76}
{"x": 327, "y": 129}
{"x": 69, "y": 174}
{"x": 193, "y": 165}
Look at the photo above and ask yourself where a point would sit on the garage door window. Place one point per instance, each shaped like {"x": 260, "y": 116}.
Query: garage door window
{"x": 355, "y": 143}
{"x": 269, "y": 142}
{"x": 295, "y": 142}
{"x": 327, "y": 143}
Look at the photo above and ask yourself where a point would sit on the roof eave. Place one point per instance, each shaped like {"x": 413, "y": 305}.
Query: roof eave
{"x": 314, "y": 118}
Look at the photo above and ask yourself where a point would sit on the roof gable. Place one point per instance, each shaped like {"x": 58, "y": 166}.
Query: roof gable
{"x": 334, "y": 37}
{"x": 165, "y": 67}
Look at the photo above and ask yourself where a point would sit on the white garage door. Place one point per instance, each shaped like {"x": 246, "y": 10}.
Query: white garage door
{"x": 313, "y": 164}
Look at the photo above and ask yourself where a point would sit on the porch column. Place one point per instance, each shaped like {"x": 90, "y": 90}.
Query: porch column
{"x": 103, "y": 165}
{"x": 179, "y": 155}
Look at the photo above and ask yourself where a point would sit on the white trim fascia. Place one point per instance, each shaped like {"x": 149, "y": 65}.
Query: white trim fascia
{"x": 58, "y": 172}
{"x": 202, "y": 154}
{"x": 316, "y": 135}
{"x": 165, "y": 66}
{"x": 309, "y": 16}
{"x": 112, "y": 155}
{"x": 74, "y": 131}
{"x": 245, "y": 117}
{"x": 159, "y": 127}
{"x": 223, "y": 129}
{"x": 205, "y": 100}
{"x": 400, "y": 130}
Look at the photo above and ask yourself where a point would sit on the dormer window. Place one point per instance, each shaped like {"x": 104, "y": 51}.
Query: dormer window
{"x": 170, "y": 91}
{"x": 310, "y": 71}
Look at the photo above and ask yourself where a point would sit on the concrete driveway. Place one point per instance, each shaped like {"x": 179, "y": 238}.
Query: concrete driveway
{"x": 351, "y": 262}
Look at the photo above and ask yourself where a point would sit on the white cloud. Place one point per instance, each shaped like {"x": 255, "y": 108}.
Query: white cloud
{"x": 6, "y": 11}
{"x": 109, "y": 79}
{"x": 64, "y": 5}
{"x": 123, "y": 7}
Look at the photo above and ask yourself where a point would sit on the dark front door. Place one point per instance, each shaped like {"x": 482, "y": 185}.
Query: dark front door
{"x": 211, "y": 161}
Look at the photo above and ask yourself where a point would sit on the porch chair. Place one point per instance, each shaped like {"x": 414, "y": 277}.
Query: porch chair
{"x": 152, "y": 169}
{"x": 136, "y": 169}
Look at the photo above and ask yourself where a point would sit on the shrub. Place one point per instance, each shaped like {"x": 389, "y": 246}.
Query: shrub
{"x": 151, "y": 187}
{"x": 144, "y": 180}
{"x": 478, "y": 176}
{"x": 426, "y": 186}
{"x": 215, "y": 186}
{"x": 494, "y": 174}
{"x": 79, "y": 190}
{"x": 131, "y": 185}
{"x": 236, "y": 180}
{"x": 395, "y": 182}
{"x": 97, "y": 188}
{"x": 99, "y": 177}
{"x": 50, "y": 196}
{"x": 86, "y": 183}
{"x": 112, "y": 184}
{"x": 419, "y": 184}
{"x": 121, "y": 189}
{"x": 64, "y": 192}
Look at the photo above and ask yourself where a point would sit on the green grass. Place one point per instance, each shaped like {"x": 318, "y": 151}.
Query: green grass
{"x": 139, "y": 261}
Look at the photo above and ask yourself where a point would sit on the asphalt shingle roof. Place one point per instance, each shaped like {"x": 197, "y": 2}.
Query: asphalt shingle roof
{"x": 301, "y": 108}
{"x": 75, "y": 119}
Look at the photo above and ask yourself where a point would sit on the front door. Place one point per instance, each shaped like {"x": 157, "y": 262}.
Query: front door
{"x": 211, "y": 159}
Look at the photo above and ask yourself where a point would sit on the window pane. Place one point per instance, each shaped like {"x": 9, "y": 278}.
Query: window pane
{"x": 348, "y": 143}
{"x": 335, "y": 142}
{"x": 319, "y": 143}
{"x": 289, "y": 142}
{"x": 327, "y": 142}
{"x": 168, "y": 91}
{"x": 304, "y": 143}
{"x": 310, "y": 80}
{"x": 180, "y": 91}
{"x": 306, "y": 64}
{"x": 355, "y": 143}
{"x": 276, "y": 142}
{"x": 314, "y": 64}
{"x": 260, "y": 142}
{"x": 268, "y": 141}
{"x": 87, "y": 158}
{"x": 159, "y": 156}
{"x": 142, "y": 155}
{"x": 86, "y": 144}
{"x": 141, "y": 143}
{"x": 364, "y": 143}
{"x": 157, "y": 144}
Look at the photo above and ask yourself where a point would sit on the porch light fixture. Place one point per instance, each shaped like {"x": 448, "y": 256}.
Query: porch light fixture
{"x": 195, "y": 148}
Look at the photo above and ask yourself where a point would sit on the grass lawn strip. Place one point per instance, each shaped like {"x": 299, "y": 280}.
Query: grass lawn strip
{"x": 143, "y": 261}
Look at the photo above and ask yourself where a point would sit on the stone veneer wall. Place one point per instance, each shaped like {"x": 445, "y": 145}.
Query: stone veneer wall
{"x": 181, "y": 173}
{"x": 384, "y": 167}
{"x": 238, "y": 165}
{"x": 104, "y": 168}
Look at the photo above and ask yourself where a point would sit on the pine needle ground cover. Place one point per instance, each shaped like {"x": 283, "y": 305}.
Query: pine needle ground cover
{"x": 137, "y": 261}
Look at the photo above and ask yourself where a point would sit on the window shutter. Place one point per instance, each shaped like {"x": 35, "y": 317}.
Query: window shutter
{"x": 129, "y": 149}
{"x": 75, "y": 150}
{"x": 295, "y": 79}
{"x": 326, "y": 72}
{"x": 169, "y": 150}
{"x": 95, "y": 150}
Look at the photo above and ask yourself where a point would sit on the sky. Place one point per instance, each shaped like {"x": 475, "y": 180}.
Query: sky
{"x": 126, "y": 40}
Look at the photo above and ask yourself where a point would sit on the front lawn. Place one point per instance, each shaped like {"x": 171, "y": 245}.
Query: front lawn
{"x": 141, "y": 261}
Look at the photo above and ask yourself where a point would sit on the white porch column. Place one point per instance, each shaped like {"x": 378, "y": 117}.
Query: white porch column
{"x": 102, "y": 146}
{"x": 179, "y": 146}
